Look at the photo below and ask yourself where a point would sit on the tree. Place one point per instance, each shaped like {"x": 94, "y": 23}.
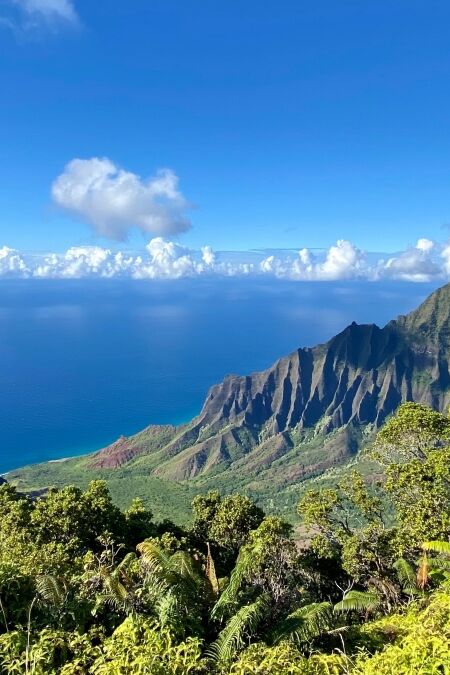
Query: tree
{"x": 349, "y": 529}
{"x": 225, "y": 523}
{"x": 266, "y": 565}
{"x": 76, "y": 518}
{"x": 411, "y": 433}
{"x": 138, "y": 523}
{"x": 414, "y": 447}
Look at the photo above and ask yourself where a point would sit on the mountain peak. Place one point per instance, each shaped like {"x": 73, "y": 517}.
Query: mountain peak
{"x": 429, "y": 324}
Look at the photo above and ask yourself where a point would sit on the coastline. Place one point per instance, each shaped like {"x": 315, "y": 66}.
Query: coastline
{"x": 75, "y": 454}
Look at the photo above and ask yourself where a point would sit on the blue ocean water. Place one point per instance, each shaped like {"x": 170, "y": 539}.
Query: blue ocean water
{"x": 82, "y": 362}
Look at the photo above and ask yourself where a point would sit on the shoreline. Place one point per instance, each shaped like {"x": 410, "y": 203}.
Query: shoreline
{"x": 77, "y": 454}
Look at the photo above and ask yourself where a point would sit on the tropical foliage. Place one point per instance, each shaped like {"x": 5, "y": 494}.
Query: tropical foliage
{"x": 87, "y": 588}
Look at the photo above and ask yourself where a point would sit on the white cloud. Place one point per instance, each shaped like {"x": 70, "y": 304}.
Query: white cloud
{"x": 12, "y": 263}
{"x": 50, "y": 9}
{"x": 414, "y": 264}
{"x": 165, "y": 259}
{"x": 208, "y": 256}
{"x": 113, "y": 200}
{"x": 343, "y": 260}
{"x": 424, "y": 244}
{"x": 84, "y": 261}
{"x": 445, "y": 255}
{"x": 25, "y": 15}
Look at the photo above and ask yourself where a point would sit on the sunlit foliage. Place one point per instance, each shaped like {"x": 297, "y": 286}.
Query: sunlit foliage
{"x": 86, "y": 588}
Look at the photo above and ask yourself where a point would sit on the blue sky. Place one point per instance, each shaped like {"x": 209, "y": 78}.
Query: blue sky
{"x": 288, "y": 124}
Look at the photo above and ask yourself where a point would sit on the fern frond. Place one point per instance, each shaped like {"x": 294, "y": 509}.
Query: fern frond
{"x": 115, "y": 593}
{"x": 182, "y": 566}
{"x": 305, "y": 623}
{"x": 175, "y": 569}
{"x": 52, "y": 589}
{"x": 155, "y": 558}
{"x": 122, "y": 571}
{"x": 156, "y": 588}
{"x": 232, "y": 638}
{"x": 166, "y": 609}
{"x": 406, "y": 576}
{"x": 126, "y": 562}
{"x": 442, "y": 547}
{"x": 358, "y": 601}
{"x": 438, "y": 564}
{"x": 240, "y": 572}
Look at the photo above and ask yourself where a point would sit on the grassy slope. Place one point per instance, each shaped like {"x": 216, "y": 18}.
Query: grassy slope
{"x": 275, "y": 482}
{"x": 166, "y": 500}
{"x": 277, "y": 487}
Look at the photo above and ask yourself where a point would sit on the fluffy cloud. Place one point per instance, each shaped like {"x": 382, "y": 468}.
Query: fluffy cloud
{"x": 208, "y": 256}
{"x": 165, "y": 259}
{"x": 414, "y": 264}
{"x": 342, "y": 261}
{"x": 445, "y": 255}
{"x": 12, "y": 263}
{"x": 34, "y": 14}
{"x": 172, "y": 261}
{"x": 113, "y": 200}
{"x": 425, "y": 244}
{"x": 84, "y": 261}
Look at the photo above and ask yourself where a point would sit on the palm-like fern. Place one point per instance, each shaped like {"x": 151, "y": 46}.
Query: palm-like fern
{"x": 241, "y": 625}
{"x": 240, "y": 572}
{"x": 358, "y": 601}
{"x": 155, "y": 558}
{"x": 304, "y": 623}
{"x": 114, "y": 592}
{"x": 173, "y": 583}
{"x": 442, "y": 547}
{"x": 407, "y": 577}
{"x": 168, "y": 608}
{"x": 52, "y": 589}
{"x": 167, "y": 570}
{"x": 117, "y": 587}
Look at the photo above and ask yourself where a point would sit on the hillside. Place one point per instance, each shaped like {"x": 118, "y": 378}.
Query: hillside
{"x": 269, "y": 432}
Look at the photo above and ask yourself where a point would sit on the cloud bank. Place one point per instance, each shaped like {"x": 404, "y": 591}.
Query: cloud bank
{"x": 112, "y": 200}
{"x": 165, "y": 259}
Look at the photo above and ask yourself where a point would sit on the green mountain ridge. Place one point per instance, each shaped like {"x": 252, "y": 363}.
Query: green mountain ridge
{"x": 358, "y": 378}
{"x": 269, "y": 432}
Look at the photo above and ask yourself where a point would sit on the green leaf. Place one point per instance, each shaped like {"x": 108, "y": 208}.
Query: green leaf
{"x": 406, "y": 576}
{"x": 358, "y": 601}
{"x": 243, "y": 623}
{"x": 442, "y": 547}
{"x": 305, "y": 623}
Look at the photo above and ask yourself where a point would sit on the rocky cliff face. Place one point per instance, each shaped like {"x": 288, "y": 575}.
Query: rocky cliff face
{"x": 356, "y": 379}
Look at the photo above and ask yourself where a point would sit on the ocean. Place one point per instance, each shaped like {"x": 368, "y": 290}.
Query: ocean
{"x": 84, "y": 361}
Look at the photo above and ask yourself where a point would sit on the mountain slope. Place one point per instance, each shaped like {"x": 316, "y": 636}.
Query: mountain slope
{"x": 356, "y": 379}
{"x": 309, "y": 412}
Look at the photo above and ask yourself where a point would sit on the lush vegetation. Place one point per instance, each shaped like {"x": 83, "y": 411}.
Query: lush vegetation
{"x": 88, "y": 588}
{"x": 273, "y": 434}
{"x": 171, "y": 499}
